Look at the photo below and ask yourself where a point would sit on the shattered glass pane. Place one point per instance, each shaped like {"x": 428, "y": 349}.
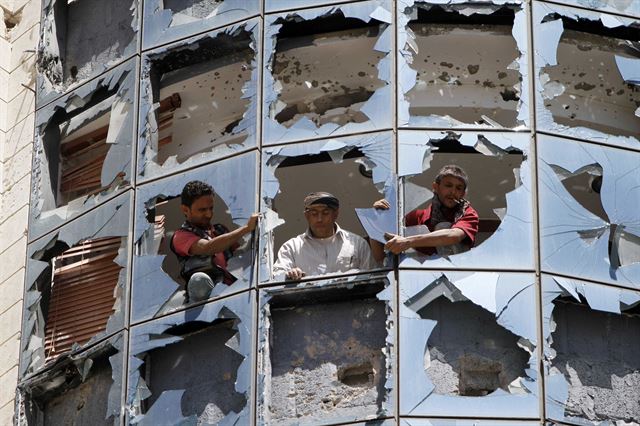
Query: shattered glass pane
{"x": 306, "y": 95}
{"x": 587, "y": 196}
{"x": 493, "y": 317}
{"x": 199, "y": 100}
{"x": 320, "y": 367}
{"x": 82, "y": 389}
{"x": 465, "y": 66}
{"x": 592, "y": 352}
{"x": 80, "y": 39}
{"x": 157, "y": 286}
{"x": 169, "y": 20}
{"x": 629, "y": 7}
{"x": 499, "y": 190}
{"x": 584, "y": 90}
{"x": 193, "y": 366}
{"x": 356, "y": 170}
{"x": 83, "y": 149}
{"x": 58, "y": 297}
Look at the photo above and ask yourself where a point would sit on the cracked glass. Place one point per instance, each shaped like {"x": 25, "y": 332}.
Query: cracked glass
{"x": 460, "y": 65}
{"x": 500, "y": 192}
{"x": 298, "y": 104}
{"x": 157, "y": 286}
{"x": 198, "y": 100}
{"x": 588, "y": 197}
{"x": 291, "y": 172}
{"x": 82, "y": 149}
{"x": 438, "y": 372}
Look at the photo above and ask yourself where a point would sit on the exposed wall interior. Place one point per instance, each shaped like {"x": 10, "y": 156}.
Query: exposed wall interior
{"x": 326, "y": 355}
{"x": 482, "y": 357}
{"x": 599, "y": 354}
{"x": 81, "y": 389}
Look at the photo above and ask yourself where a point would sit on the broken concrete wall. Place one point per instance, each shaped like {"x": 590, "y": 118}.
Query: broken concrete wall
{"x": 298, "y": 103}
{"x": 96, "y": 122}
{"x": 211, "y": 384}
{"x": 83, "y": 388}
{"x": 376, "y": 158}
{"x": 492, "y": 360}
{"x": 198, "y": 100}
{"x": 109, "y": 220}
{"x": 154, "y": 291}
{"x": 462, "y": 64}
{"x": 603, "y": 248}
{"x": 80, "y": 39}
{"x": 326, "y": 352}
{"x": 592, "y": 353}
{"x": 586, "y": 68}
{"x": 169, "y": 20}
{"x": 509, "y": 199}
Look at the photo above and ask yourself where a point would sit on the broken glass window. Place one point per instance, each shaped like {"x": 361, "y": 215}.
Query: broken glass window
{"x": 357, "y": 170}
{"x": 157, "y": 286}
{"x": 588, "y": 211}
{"x": 79, "y": 39}
{"x": 490, "y": 364}
{"x": 499, "y": 189}
{"x": 198, "y": 100}
{"x": 306, "y": 95}
{"x": 592, "y": 352}
{"x": 326, "y": 352}
{"x": 82, "y": 149}
{"x": 83, "y": 388}
{"x": 462, "y": 65}
{"x": 169, "y": 20}
{"x": 176, "y": 377}
{"x": 76, "y": 275}
{"x": 586, "y": 65}
{"x": 629, "y": 7}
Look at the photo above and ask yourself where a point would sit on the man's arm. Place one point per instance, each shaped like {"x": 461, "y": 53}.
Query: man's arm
{"x": 443, "y": 237}
{"x": 224, "y": 241}
{"x": 286, "y": 263}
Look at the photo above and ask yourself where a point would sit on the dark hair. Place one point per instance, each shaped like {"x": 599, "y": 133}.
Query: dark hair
{"x": 194, "y": 190}
{"x": 455, "y": 171}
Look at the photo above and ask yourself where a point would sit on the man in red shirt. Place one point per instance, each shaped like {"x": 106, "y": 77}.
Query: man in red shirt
{"x": 452, "y": 222}
{"x": 203, "y": 249}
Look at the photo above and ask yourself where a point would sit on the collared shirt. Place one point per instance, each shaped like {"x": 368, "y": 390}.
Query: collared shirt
{"x": 343, "y": 251}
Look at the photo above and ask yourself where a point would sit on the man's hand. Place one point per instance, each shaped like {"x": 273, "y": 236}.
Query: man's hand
{"x": 252, "y": 223}
{"x": 396, "y": 244}
{"x": 295, "y": 274}
{"x": 382, "y": 205}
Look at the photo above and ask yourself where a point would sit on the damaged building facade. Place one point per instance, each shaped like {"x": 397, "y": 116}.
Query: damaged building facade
{"x": 116, "y": 105}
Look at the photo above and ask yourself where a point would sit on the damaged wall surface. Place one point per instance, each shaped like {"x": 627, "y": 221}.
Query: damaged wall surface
{"x": 534, "y": 321}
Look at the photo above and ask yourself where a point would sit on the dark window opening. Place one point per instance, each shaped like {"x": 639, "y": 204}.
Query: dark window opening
{"x": 464, "y": 66}
{"x": 469, "y": 354}
{"x": 199, "y": 89}
{"x": 304, "y": 66}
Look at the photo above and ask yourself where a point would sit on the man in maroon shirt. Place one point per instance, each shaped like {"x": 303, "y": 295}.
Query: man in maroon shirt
{"x": 203, "y": 249}
{"x": 452, "y": 222}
